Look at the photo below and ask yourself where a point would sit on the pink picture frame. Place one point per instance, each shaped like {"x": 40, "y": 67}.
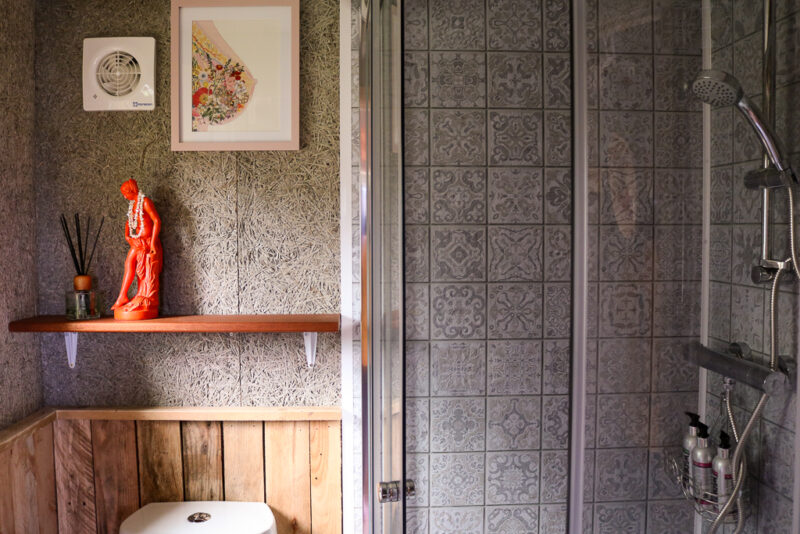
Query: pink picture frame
{"x": 235, "y": 75}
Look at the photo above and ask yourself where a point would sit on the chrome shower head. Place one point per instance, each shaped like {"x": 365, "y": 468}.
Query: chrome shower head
{"x": 717, "y": 88}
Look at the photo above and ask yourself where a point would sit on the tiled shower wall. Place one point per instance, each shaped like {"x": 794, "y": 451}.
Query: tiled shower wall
{"x": 20, "y": 378}
{"x": 488, "y": 245}
{"x": 740, "y": 308}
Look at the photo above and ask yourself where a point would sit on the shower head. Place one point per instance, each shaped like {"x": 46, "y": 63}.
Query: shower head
{"x": 718, "y": 88}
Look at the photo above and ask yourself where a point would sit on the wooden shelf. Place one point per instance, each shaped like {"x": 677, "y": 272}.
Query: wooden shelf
{"x": 184, "y": 323}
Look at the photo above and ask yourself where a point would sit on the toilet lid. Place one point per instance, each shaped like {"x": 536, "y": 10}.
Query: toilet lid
{"x": 201, "y": 517}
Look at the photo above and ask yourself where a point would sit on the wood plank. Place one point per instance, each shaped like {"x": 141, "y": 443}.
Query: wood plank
{"x": 6, "y": 494}
{"x": 23, "y": 485}
{"x": 326, "y": 477}
{"x": 243, "y": 451}
{"x": 116, "y": 477}
{"x": 291, "y": 323}
{"x": 244, "y": 413}
{"x": 288, "y": 478}
{"x": 74, "y": 477}
{"x": 20, "y": 429}
{"x": 202, "y": 461}
{"x": 160, "y": 466}
{"x": 45, "y": 472}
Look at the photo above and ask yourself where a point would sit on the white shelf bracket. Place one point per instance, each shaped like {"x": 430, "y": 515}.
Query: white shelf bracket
{"x": 71, "y": 340}
{"x": 310, "y": 340}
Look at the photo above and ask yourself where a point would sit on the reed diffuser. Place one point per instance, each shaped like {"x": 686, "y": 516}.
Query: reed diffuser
{"x": 82, "y": 303}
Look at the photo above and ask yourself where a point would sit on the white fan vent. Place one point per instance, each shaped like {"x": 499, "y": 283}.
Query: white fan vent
{"x": 118, "y": 73}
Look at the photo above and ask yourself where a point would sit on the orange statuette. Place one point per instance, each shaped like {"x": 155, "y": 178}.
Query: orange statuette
{"x": 145, "y": 258}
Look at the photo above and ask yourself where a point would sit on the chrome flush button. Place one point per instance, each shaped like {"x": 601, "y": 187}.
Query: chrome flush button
{"x": 199, "y": 517}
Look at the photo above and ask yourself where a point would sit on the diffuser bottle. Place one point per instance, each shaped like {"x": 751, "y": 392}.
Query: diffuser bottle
{"x": 702, "y": 457}
{"x": 722, "y": 473}
{"x": 689, "y": 443}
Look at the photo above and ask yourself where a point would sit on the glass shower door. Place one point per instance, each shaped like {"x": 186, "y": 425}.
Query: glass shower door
{"x": 381, "y": 200}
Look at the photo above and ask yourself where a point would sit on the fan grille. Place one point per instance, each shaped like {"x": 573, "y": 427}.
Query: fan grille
{"x": 118, "y": 73}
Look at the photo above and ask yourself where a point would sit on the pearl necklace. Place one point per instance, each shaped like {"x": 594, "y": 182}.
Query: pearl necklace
{"x": 135, "y": 218}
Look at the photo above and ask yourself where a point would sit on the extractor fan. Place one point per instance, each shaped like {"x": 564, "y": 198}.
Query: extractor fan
{"x": 119, "y": 73}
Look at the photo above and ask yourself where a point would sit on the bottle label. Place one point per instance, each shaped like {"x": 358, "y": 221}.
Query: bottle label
{"x": 701, "y": 477}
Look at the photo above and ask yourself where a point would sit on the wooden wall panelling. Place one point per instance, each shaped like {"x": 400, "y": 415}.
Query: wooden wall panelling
{"x": 160, "y": 466}
{"x": 202, "y": 460}
{"x": 326, "y": 477}
{"x": 74, "y": 477}
{"x": 116, "y": 473}
{"x": 243, "y": 458}
{"x": 45, "y": 472}
{"x": 23, "y": 485}
{"x": 288, "y": 478}
{"x": 6, "y": 496}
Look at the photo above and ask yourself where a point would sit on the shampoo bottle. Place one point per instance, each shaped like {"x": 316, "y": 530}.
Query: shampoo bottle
{"x": 702, "y": 456}
{"x": 689, "y": 443}
{"x": 723, "y": 475}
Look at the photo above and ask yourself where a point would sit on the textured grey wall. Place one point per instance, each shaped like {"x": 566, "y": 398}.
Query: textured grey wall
{"x": 247, "y": 232}
{"x": 20, "y": 367}
{"x": 740, "y": 309}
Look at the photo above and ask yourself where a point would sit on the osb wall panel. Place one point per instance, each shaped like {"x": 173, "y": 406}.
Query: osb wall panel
{"x": 244, "y": 232}
{"x": 20, "y": 379}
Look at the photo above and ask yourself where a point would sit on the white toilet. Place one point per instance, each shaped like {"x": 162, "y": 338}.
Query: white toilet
{"x": 206, "y": 517}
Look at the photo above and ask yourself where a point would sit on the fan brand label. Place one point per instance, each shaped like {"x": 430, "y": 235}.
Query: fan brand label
{"x": 138, "y": 104}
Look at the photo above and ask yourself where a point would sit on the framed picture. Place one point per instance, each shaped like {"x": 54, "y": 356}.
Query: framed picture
{"x": 235, "y": 74}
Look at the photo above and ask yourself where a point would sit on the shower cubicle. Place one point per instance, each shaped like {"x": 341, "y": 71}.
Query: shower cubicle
{"x": 576, "y": 224}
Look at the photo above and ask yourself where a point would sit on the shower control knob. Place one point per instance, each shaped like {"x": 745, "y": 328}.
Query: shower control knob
{"x": 761, "y": 275}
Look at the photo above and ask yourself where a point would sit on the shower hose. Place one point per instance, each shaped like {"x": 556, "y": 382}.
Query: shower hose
{"x": 739, "y": 469}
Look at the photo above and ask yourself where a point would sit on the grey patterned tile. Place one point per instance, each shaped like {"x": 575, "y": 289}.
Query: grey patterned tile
{"x": 515, "y": 253}
{"x": 788, "y": 38}
{"x": 678, "y": 139}
{"x": 721, "y": 136}
{"x": 458, "y": 253}
{"x": 557, "y": 253}
{"x": 557, "y": 310}
{"x": 555, "y": 422}
{"x": 515, "y": 195}
{"x": 415, "y": 79}
{"x": 417, "y": 252}
{"x": 661, "y": 485}
{"x": 625, "y": 309}
{"x": 777, "y": 467}
{"x": 415, "y": 24}
{"x": 456, "y": 520}
{"x": 416, "y": 521}
{"x": 514, "y": 25}
{"x": 557, "y": 81}
{"x": 458, "y": 138}
{"x": 458, "y": 368}
{"x": 417, "y": 425}
{"x": 458, "y": 311}
{"x": 747, "y": 58}
{"x": 623, "y": 365}
{"x": 417, "y": 197}
{"x": 678, "y": 196}
{"x": 592, "y": 29}
{"x": 593, "y": 138}
{"x": 557, "y": 196}
{"x": 774, "y": 511}
{"x": 720, "y": 299}
{"x": 556, "y": 25}
{"x": 672, "y": 77}
{"x": 417, "y": 469}
{"x": 514, "y": 80}
{"x": 416, "y": 138}
{"x": 515, "y": 367}
{"x": 552, "y": 519}
{"x": 626, "y": 81}
{"x": 458, "y": 79}
{"x": 512, "y": 519}
{"x": 626, "y": 252}
{"x": 676, "y": 309}
{"x": 622, "y": 420}
{"x": 417, "y": 368}
{"x": 556, "y": 361}
{"x": 746, "y": 145}
{"x": 722, "y": 29}
{"x": 457, "y": 479}
{"x": 458, "y": 195}
{"x": 678, "y": 253}
{"x": 626, "y": 196}
{"x": 593, "y": 81}
{"x": 515, "y": 137}
{"x": 590, "y": 425}
{"x": 665, "y": 427}
{"x": 621, "y": 474}
{"x": 512, "y": 477}
{"x": 417, "y": 311}
{"x": 588, "y": 474}
{"x": 515, "y": 311}
{"x": 678, "y": 29}
{"x": 591, "y": 366}
{"x": 555, "y": 476}
{"x": 631, "y": 36}
{"x": 671, "y": 517}
{"x": 513, "y": 423}
{"x": 746, "y": 203}
{"x": 722, "y": 195}
{"x": 745, "y": 252}
{"x": 626, "y": 139}
{"x": 458, "y": 425}
{"x": 457, "y": 24}
{"x": 557, "y": 138}
{"x": 613, "y": 518}
{"x": 670, "y": 372}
